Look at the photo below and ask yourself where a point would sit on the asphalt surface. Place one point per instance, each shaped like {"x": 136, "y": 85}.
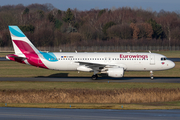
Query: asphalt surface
{"x": 174, "y": 59}
{"x": 3, "y": 59}
{"x": 101, "y": 79}
{"x": 7, "y": 113}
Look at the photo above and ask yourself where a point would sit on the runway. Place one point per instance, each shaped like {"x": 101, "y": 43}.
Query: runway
{"x": 101, "y": 79}
{"x": 8, "y": 113}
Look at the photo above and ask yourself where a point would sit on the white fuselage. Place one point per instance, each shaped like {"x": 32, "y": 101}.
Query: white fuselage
{"x": 129, "y": 61}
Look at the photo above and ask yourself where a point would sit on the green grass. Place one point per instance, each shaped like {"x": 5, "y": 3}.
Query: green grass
{"x": 3, "y": 54}
{"x": 169, "y": 54}
{"x": 19, "y": 85}
{"x": 145, "y": 106}
{"x": 14, "y": 69}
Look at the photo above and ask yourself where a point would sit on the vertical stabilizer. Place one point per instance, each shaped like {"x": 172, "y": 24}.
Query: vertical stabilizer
{"x": 25, "y": 51}
{"x": 20, "y": 42}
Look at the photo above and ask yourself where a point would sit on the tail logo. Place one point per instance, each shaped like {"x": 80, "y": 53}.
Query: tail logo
{"x": 24, "y": 48}
{"x": 16, "y": 31}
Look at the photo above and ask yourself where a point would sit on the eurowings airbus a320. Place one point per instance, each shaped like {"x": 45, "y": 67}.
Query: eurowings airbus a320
{"x": 114, "y": 64}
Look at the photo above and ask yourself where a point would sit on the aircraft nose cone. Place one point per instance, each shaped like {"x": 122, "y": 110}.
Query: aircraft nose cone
{"x": 173, "y": 64}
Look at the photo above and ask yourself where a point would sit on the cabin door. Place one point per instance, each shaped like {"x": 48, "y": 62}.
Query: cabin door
{"x": 152, "y": 60}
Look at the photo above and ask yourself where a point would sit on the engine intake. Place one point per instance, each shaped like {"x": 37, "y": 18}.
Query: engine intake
{"x": 115, "y": 72}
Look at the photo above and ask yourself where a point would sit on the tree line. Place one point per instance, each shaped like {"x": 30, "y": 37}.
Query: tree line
{"x": 46, "y": 25}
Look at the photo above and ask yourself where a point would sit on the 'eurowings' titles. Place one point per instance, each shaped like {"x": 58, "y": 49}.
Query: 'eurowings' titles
{"x": 134, "y": 56}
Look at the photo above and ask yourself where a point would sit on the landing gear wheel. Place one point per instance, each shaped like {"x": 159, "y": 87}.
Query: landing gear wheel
{"x": 151, "y": 74}
{"x": 94, "y": 77}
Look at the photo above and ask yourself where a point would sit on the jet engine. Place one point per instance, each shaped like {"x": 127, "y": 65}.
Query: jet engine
{"x": 115, "y": 72}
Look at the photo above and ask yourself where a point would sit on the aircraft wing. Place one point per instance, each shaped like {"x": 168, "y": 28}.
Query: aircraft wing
{"x": 96, "y": 66}
{"x": 12, "y": 56}
{"x": 18, "y": 57}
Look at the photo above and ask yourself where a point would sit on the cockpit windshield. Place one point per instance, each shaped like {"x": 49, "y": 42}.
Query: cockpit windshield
{"x": 163, "y": 58}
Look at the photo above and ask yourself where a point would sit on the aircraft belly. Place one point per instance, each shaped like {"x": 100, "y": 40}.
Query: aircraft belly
{"x": 61, "y": 65}
{"x": 135, "y": 67}
{"x": 139, "y": 66}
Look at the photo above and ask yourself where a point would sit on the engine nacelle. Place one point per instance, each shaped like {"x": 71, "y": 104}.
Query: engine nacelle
{"x": 115, "y": 72}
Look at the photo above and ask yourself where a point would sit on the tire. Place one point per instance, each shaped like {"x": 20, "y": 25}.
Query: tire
{"x": 94, "y": 77}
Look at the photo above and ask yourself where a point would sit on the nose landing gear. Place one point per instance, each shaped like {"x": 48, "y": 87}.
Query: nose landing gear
{"x": 151, "y": 74}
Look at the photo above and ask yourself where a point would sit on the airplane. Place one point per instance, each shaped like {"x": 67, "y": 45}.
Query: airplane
{"x": 114, "y": 64}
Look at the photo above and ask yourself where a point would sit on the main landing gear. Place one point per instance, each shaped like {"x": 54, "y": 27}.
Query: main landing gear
{"x": 94, "y": 77}
{"x": 151, "y": 74}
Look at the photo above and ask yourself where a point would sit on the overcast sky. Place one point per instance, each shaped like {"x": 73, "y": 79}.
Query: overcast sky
{"x": 155, "y": 5}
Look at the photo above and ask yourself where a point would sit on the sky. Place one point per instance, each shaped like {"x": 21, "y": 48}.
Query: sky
{"x": 154, "y": 5}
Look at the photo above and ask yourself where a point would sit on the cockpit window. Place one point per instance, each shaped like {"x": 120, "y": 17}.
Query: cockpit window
{"x": 163, "y": 58}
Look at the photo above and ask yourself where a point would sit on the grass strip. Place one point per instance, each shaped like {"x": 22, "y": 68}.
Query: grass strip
{"x": 145, "y": 106}
{"x": 14, "y": 69}
{"x": 20, "y": 85}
